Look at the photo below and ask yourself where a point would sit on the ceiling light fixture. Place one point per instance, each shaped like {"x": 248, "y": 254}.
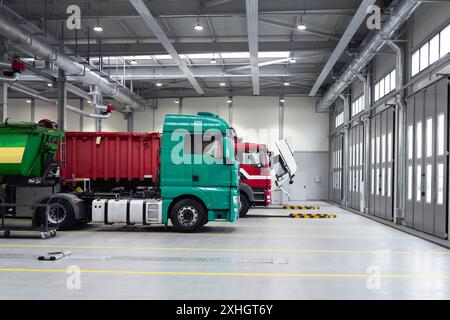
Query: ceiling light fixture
{"x": 292, "y": 60}
{"x": 213, "y": 61}
{"x": 222, "y": 84}
{"x": 134, "y": 62}
{"x": 177, "y": 101}
{"x": 282, "y": 100}
{"x": 230, "y": 101}
{"x": 28, "y": 101}
{"x": 301, "y": 25}
{"x": 98, "y": 27}
{"x": 49, "y": 84}
{"x": 198, "y": 26}
{"x": 286, "y": 84}
{"x": 159, "y": 84}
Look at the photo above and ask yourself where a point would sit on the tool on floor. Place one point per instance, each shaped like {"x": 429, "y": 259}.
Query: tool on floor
{"x": 53, "y": 256}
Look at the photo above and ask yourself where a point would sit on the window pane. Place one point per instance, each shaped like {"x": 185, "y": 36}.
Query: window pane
{"x": 382, "y": 92}
{"x": 389, "y": 158}
{"x": 373, "y": 181}
{"x": 440, "y": 135}
{"x": 434, "y": 49}
{"x": 373, "y": 150}
{"x": 377, "y": 91}
{"x": 389, "y": 182}
{"x": 410, "y": 177}
{"x": 415, "y": 63}
{"x": 383, "y": 148}
{"x": 429, "y": 179}
{"x": 383, "y": 180}
{"x": 429, "y": 137}
{"x": 410, "y": 142}
{"x": 378, "y": 149}
{"x": 361, "y": 154}
{"x": 361, "y": 186}
{"x": 424, "y": 56}
{"x": 440, "y": 184}
{"x": 378, "y": 181}
{"x": 387, "y": 84}
{"x": 393, "y": 80}
{"x": 419, "y": 140}
{"x": 445, "y": 41}
{"x": 418, "y": 183}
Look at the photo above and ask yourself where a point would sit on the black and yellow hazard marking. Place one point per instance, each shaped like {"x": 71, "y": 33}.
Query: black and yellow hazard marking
{"x": 301, "y": 207}
{"x": 312, "y": 216}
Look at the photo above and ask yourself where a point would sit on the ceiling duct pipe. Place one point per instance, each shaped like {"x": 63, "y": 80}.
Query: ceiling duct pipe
{"x": 402, "y": 12}
{"x": 34, "y": 94}
{"x": 17, "y": 35}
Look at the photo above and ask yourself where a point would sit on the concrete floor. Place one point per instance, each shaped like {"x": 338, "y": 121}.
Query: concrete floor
{"x": 255, "y": 258}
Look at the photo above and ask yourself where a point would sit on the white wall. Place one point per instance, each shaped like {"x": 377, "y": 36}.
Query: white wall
{"x": 256, "y": 119}
{"x": 305, "y": 129}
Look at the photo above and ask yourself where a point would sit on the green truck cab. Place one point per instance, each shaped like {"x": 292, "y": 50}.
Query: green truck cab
{"x": 198, "y": 166}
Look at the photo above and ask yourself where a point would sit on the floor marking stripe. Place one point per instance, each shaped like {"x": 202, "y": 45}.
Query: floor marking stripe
{"x": 34, "y": 246}
{"x": 273, "y": 236}
{"x": 233, "y": 274}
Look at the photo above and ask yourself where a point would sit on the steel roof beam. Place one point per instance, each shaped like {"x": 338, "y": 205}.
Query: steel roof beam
{"x": 251, "y": 7}
{"x": 151, "y": 22}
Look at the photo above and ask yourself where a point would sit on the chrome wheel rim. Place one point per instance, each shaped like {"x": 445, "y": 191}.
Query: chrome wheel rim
{"x": 56, "y": 214}
{"x": 187, "y": 216}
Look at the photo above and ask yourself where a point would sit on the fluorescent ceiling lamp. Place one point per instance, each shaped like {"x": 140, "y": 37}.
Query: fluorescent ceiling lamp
{"x": 159, "y": 84}
{"x": 286, "y": 84}
{"x": 222, "y": 84}
{"x": 98, "y": 28}
{"x": 49, "y": 85}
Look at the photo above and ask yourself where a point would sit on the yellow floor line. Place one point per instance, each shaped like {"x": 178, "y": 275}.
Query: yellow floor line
{"x": 37, "y": 246}
{"x": 111, "y": 233}
{"x": 235, "y": 274}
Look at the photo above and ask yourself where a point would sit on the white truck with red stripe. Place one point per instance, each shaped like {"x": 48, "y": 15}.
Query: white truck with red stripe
{"x": 258, "y": 167}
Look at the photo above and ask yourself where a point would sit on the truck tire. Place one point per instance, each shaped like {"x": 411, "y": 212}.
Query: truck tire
{"x": 188, "y": 215}
{"x": 62, "y": 216}
{"x": 244, "y": 206}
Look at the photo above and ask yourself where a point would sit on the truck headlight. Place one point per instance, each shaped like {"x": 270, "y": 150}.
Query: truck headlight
{"x": 235, "y": 199}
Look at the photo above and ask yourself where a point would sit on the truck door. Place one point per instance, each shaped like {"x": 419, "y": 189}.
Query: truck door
{"x": 208, "y": 169}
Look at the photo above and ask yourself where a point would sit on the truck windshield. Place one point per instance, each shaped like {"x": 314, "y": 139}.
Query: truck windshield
{"x": 253, "y": 158}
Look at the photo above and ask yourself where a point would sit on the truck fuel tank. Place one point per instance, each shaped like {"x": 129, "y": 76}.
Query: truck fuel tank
{"x": 129, "y": 211}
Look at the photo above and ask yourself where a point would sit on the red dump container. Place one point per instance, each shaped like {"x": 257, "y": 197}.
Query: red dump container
{"x": 111, "y": 156}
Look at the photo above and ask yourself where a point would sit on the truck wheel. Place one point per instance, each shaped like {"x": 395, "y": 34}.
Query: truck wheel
{"x": 244, "y": 207}
{"x": 62, "y": 215}
{"x": 188, "y": 215}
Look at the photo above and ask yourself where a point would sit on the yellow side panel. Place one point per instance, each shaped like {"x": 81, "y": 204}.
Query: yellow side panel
{"x": 11, "y": 155}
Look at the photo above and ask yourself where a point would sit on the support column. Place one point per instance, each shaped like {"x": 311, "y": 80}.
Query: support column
{"x": 180, "y": 106}
{"x": 97, "y": 100}
{"x": 33, "y": 110}
{"x": 345, "y": 169}
{"x": 400, "y": 137}
{"x": 62, "y": 100}
{"x": 81, "y": 117}
{"x": 130, "y": 122}
{"x": 3, "y": 86}
{"x": 230, "y": 111}
{"x": 281, "y": 117}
